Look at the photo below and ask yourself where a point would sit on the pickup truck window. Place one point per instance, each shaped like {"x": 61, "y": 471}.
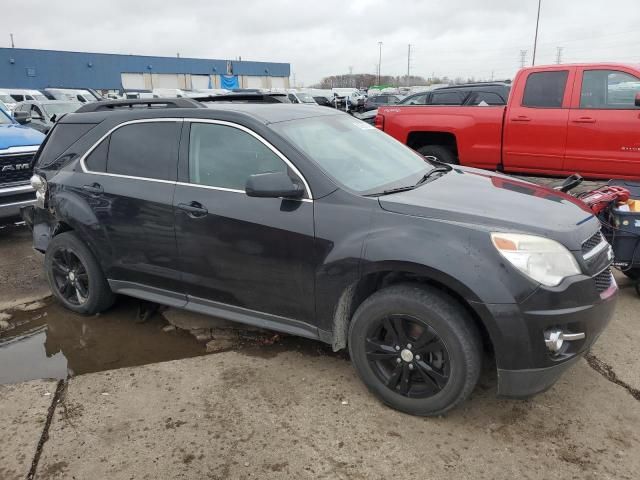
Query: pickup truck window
{"x": 608, "y": 89}
{"x": 353, "y": 153}
{"x": 545, "y": 89}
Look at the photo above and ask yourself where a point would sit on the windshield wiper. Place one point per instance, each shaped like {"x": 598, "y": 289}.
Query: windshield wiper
{"x": 440, "y": 169}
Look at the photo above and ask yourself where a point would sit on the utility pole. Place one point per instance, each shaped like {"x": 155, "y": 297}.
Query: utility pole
{"x": 379, "y": 61}
{"x": 408, "y": 64}
{"x": 13, "y": 45}
{"x": 535, "y": 41}
{"x": 492, "y": 75}
{"x": 523, "y": 58}
{"x": 559, "y": 55}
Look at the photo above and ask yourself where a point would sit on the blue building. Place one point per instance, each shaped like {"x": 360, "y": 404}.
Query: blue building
{"x": 37, "y": 69}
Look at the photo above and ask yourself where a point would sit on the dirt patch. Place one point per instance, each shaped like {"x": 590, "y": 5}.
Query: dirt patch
{"x": 607, "y": 372}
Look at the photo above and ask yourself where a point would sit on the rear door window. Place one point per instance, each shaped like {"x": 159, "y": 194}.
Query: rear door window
{"x": 147, "y": 150}
{"x": 545, "y": 89}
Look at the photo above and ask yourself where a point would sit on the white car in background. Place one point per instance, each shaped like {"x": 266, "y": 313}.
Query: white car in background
{"x": 7, "y": 100}
{"x": 301, "y": 97}
{"x": 23, "y": 95}
{"x": 70, "y": 95}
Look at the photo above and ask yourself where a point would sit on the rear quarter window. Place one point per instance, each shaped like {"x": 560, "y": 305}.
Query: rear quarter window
{"x": 62, "y": 136}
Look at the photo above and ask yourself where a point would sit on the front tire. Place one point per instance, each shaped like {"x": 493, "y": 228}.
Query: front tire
{"x": 75, "y": 277}
{"x": 632, "y": 273}
{"x": 439, "y": 152}
{"x": 416, "y": 349}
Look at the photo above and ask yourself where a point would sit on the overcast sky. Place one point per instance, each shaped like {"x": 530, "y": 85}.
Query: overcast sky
{"x": 324, "y": 37}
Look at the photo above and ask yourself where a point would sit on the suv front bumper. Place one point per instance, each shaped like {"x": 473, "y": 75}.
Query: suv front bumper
{"x": 524, "y": 363}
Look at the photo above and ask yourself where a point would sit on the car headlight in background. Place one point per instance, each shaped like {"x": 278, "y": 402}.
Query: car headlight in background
{"x": 541, "y": 259}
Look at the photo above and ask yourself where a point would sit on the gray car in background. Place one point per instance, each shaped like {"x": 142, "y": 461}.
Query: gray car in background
{"x": 44, "y": 114}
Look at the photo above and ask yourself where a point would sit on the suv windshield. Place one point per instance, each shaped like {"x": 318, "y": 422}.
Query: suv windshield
{"x": 354, "y": 153}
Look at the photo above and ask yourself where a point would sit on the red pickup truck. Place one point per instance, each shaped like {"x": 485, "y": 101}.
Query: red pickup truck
{"x": 559, "y": 120}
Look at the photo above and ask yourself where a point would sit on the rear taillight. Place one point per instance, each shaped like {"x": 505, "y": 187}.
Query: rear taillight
{"x": 379, "y": 121}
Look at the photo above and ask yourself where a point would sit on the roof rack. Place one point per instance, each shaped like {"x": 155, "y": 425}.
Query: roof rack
{"x": 249, "y": 97}
{"x": 107, "y": 105}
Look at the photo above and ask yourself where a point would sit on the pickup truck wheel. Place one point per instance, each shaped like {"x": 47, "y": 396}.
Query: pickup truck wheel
{"x": 441, "y": 153}
{"x": 416, "y": 349}
{"x": 75, "y": 277}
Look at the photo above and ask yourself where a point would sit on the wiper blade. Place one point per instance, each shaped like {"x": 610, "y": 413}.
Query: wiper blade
{"x": 426, "y": 176}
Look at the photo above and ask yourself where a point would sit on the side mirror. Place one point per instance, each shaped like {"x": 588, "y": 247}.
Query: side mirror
{"x": 637, "y": 99}
{"x": 22, "y": 117}
{"x": 273, "y": 185}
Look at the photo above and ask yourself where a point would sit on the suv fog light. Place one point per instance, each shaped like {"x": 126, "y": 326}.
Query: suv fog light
{"x": 555, "y": 338}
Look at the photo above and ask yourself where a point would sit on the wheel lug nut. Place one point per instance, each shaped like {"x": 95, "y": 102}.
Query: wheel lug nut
{"x": 398, "y": 360}
{"x": 397, "y": 347}
{"x": 417, "y": 357}
{"x": 411, "y": 366}
{"x": 409, "y": 346}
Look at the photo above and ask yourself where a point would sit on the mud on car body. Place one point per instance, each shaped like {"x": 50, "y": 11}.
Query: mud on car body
{"x": 307, "y": 221}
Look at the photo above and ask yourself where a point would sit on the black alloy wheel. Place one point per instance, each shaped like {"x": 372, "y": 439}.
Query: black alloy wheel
{"x": 70, "y": 276}
{"x": 75, "y": 276}
{"x": 408, "y": 356}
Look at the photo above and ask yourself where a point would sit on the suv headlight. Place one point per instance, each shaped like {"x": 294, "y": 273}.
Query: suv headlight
{"x": 541, "y": 259}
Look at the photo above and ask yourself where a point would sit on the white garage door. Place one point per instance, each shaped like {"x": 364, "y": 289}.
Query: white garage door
{"x": 132, "y": 81}
{"x": 278, "y": 82}
{"x": 165, "y": 80}
{"x": 199, "y": 82}
{"x": 253, "y": 82}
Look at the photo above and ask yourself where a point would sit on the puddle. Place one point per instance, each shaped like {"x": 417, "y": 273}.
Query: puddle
{"x": 51, "y": 342}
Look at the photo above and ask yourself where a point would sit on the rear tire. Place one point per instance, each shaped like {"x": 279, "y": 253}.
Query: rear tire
{"x": 416, "y": 349}
{"x": 632, "y": 273}
{"x": 441, "y": 153}
{"x": 75, "y": 277}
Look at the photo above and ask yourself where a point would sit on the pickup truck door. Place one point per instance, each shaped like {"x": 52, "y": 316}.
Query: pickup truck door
{"x": 604, "y": 124}
{"x": 535, "y": 125}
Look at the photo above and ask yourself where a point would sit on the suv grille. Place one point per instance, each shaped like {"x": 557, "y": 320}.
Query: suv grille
{"x": 603, "y": 280}
{"x": 591, "y": 242}
{"x": 15, "y": 168}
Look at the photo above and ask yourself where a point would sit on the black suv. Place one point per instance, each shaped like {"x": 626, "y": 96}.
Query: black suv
{"x": 304, "y": 220}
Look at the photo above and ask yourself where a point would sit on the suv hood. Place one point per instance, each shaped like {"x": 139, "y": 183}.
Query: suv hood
{"x": 15, "y": 135}
{"x": 497, "y": 202}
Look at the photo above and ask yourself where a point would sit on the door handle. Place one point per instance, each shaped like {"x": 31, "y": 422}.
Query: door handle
{"x": 94, "y": 188}
{"x": 193, "y": 209}
{"x": 521, "y": 118}
{"x": 584, "y": 120}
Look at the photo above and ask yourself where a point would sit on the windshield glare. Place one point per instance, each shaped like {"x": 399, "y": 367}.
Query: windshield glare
{"x": 4, "y": 118}
{"x": 354, "y": 153}
{"x": 6, "y": 98}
